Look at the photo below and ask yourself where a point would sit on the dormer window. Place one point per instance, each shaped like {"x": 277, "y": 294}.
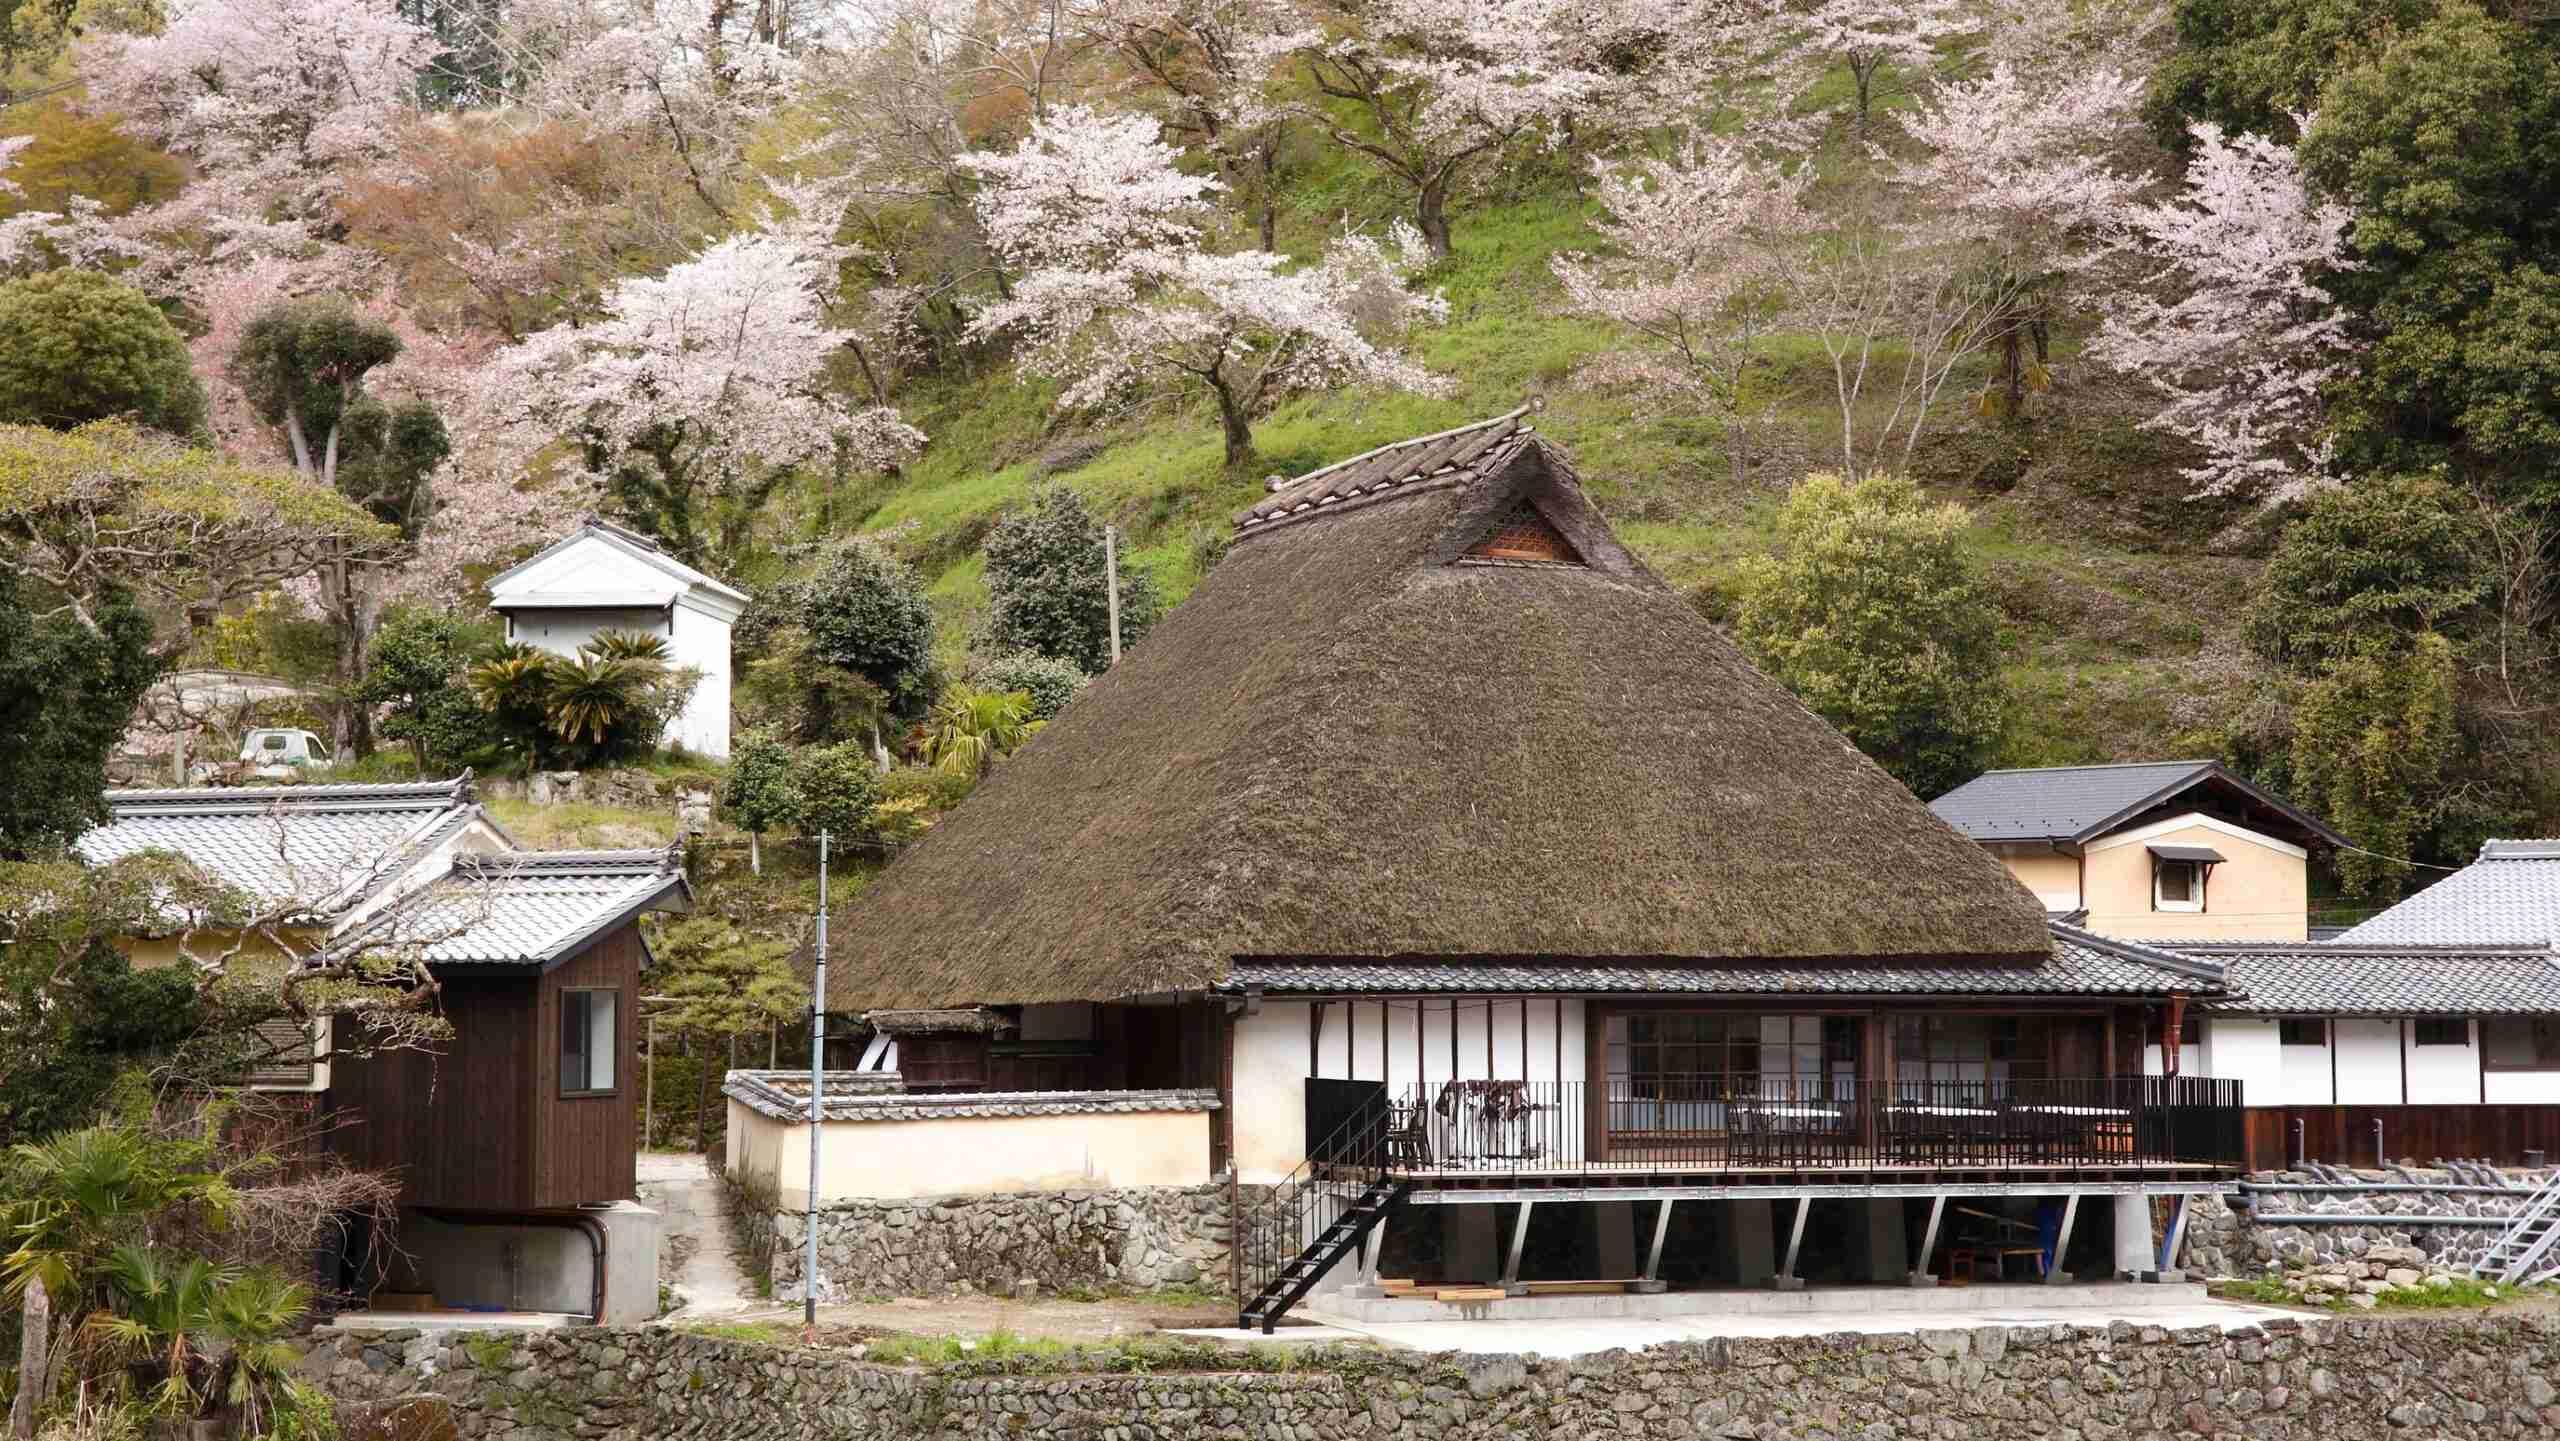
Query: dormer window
{"x": 2178, "y": 876}
{"x": 1523, "y": 537}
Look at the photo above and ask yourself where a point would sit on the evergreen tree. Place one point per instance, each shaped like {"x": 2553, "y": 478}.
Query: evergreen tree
{"x": 1045, "y": 584}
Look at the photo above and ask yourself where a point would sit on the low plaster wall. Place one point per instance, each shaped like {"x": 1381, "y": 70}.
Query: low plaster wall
{"x": 1123, "y": 1239}
{"x": 2479, "y": 1376}
{"x": 2224, "y": 1240}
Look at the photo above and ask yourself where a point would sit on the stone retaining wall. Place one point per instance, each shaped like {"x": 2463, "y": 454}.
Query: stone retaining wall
{"x": 2223, "y": 1240}
{"x": 2329, "y": 1380}
{"x": 1138, "y": 1238}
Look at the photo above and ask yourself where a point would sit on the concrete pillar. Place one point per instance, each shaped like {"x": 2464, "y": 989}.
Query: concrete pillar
{"x": 1888, "y": 1251}
{"x": 2136, "y": 1249}
{"x": 1469, "y": 1246}
{"x": 1753, "y": 1227}
{"x": 1613, "y": 1239}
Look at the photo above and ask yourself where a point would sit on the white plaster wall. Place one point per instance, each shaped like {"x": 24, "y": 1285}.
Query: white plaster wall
{"x": 1413, "y": 1045}
{"x": 2524, "y": 1088}
{"x": 702, "y": 642}
{"x": 2246, "y": 1051}
{"x": 2444, "y": 1075}
{"x": 2368, "y": 1062}
{"x": 977, "y": 1155}
{"x": 2306, "y": 1079}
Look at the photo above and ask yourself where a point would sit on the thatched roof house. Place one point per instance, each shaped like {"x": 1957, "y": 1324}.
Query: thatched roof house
{"x": 1426, "y": 706}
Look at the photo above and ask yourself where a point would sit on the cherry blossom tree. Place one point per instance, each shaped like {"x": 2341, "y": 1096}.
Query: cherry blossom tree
{"x": 1692, "y": 269}
{"x": 1207, "y": 61}
{"x": 1119, "y": 285}
{"x": 1440, "y": 88}
{"x": 696, "y": 393}
{"x": 273, "y": 93}
{"x": 2015, "y": 174}
{"x": 2234, "y": 326}
{"x": 1875, "y": 40}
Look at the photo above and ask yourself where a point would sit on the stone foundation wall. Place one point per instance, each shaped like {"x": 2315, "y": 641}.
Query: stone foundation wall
{"x": 2326, "y": 1380}
{"x": 2224, "y": 1240}
{"x": 1138, "y": 1238}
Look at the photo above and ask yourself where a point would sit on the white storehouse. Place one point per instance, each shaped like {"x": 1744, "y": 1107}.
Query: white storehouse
{"x": 602, "y": 577}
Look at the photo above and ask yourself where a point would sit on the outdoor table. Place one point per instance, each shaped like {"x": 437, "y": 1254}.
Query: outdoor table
{"x": 1785, "y": 1133}
{"x": 2109, "y": 1130}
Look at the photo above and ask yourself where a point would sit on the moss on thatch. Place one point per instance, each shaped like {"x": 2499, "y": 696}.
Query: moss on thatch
{"x": 1348, "y": 743}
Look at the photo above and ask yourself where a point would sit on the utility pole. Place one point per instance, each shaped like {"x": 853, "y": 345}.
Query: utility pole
{"x": 1111, "y": 583}
{"x": 817, "y": 1106}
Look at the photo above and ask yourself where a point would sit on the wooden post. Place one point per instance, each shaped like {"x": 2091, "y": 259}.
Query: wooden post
{"x": 649, "y": 1087}
{"x": 1111, "y": 583}
{"x": 1661, "y": 1229}
{"x": 1519, "y": 1243}
{"x": 1928, "y": 1243}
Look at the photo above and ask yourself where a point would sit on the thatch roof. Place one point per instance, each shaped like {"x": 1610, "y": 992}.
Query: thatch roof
{"x": 1354, "y": 741}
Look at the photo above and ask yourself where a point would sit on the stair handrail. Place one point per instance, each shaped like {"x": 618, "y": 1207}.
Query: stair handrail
{"x": 2516, "y": 1267}
{"x": 1275, "y": 1231}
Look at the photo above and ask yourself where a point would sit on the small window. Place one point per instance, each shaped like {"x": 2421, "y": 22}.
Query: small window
{"x": 2443, "y": 1031}
{"x": 2302, "y": 1033}
{"x": 2522, "y": 1043}
{"x": 588, "y": 1042}
{"x": 273, "y": 743}
{"x": 2177, "y": 885}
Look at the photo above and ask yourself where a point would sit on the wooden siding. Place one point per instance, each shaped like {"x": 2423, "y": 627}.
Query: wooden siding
{"x": 586, "y": 1148}
{"x": 481, "y": 1125}
{"x": 2343, "y": 1135}
{"x": 454, "y": 1126}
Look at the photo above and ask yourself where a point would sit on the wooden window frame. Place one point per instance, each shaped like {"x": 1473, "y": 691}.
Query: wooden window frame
{"x": 2194, "y": 907}
{"x": 2418, "y": 1030}
{"x": 575, "y": 1093}
{"x": 2326, "y": 1032}
{"x": 2545, "y": 1028}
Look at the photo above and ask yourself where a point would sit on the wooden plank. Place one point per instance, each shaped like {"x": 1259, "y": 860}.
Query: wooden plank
{"x": 1576, "y": 1288}
{"x": 1469, "y": 1293}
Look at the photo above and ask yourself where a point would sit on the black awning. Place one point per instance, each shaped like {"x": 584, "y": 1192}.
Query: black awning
{"x": 2206, "y": 854}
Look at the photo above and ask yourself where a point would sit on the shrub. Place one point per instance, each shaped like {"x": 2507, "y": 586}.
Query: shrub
{"x": 75, "y": 346}
{"x": 1048, "y": 682}
{"x": 1045, "y": 582}
{"x": 842, "y": 648}
{"x": 1875, "y": 615}
{"x": 838, "y": 789}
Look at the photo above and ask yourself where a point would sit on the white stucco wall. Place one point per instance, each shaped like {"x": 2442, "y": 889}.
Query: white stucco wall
{"x": 2246, "y": 1051}
{"x": 546, "y": 603}
{"x": 2368, "y": 1062}
{"x": 970, "y": 1155}
{"x": 2306, "y": 1077}
{"x": 2444, "y": 1075}
{"x": 2523, "y": 1088}
{"x": 1465, "y": 1038}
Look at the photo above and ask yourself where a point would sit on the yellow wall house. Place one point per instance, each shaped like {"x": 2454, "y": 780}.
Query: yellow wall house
{"x": 334, "y": 855}
{"x": 2161, "y": 850}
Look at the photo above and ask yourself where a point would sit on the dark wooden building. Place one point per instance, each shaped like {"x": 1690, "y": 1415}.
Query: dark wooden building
{"x": 529, "y": 1105}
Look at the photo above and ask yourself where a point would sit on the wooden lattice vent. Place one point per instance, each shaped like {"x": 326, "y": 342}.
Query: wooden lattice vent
{"x": 1524, "y": 537}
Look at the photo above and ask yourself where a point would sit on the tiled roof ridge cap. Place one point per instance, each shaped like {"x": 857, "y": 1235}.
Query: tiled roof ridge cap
{"x": 2520, "y": 849}
{"x": 634, "y": 861}
{"x": 1306, "y": 497}
{"x": 1299, "y": 482}
{"x": 235, "y": 800}
{"x": 2139, "y": 952}
{"x": 2102, "y": 766}
{"x": 2538, "y": 949}
{"x": 764, "y": 1091}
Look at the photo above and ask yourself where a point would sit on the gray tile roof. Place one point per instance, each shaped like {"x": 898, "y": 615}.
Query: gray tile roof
{"x": 2338, "y": 979}
{"x": 2080, "y": 964}
{"x": 784, "y": 1095}
{"x": 2058, "y": 802}
{"x": 327, "y": 846}
{"x": 525, "y": 908}
{"x": 1445, "y": 457}
{"x": 2509, "y": 896}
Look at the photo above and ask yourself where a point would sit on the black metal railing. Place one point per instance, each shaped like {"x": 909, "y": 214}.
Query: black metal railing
{"x": 1345, "y": 1167}
{"x": 1799, "y": 1123}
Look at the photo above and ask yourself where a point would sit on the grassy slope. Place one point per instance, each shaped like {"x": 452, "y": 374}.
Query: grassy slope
{"x": 2109, "y": 591}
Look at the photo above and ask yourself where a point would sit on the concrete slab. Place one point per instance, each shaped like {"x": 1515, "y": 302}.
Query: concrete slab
{"x": 1812, "y": 1302}
{"x": 1559, "y": 1338}
{"x": 1295, "y": 1335}
{"x": 452, "y": 1321}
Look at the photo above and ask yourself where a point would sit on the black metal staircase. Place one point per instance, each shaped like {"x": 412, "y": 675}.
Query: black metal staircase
{"x": 1322, "y": 1213}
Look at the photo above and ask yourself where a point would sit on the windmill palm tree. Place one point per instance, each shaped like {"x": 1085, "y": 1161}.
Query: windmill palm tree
{"x": 972, "y": 729}
{"x": 514, "y": 687}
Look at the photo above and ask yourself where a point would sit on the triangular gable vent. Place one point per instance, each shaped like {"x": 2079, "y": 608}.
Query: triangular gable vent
{"x": 1524, "y": 537}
